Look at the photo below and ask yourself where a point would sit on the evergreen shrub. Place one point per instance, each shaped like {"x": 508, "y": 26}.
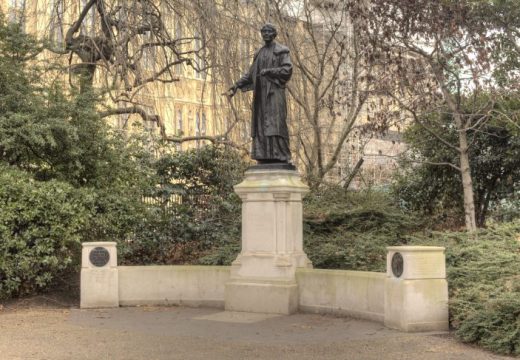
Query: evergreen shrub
{"x": 40, "y": 231}
{"x": 351, "y": 230}
{"x": 192, "y": 212}
{"x": 483, "y": 270}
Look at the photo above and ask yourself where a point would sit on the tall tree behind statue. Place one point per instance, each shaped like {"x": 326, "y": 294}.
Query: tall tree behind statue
{"x": 445, "y": 56}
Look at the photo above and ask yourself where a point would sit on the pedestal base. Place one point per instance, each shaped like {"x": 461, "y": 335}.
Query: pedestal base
{"x": 99, "y": 288}
{"x": 416, "y": 305}
{"x": 262, "y": 296}
{"x": 263, "y": 275}
{"x": 416, "y": 290}
{"x": 99, "y": 275}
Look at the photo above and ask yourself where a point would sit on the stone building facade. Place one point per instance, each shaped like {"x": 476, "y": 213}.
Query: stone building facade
{"x": 193, "y": 106}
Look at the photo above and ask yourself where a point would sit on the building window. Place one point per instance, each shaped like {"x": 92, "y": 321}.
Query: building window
{"x": 244, "y": 54}
{"x": 199, "y": 53}
{"x": 178, "y": 36}
{"x": 197, "y": 124}
{"x": 179, "y": 132}
{"x": 149, "y": 125}
{"x": 197, "y": 127}
{"x": 16, "y": 12}
{"x": 148, "y": 52}
{"x": 56, "y": 30}
{"x": 203, "y": 125}
{"x": 245, "y": 131}
{"x": 179, "y": 122}
{"x": 122, "y": 121}
{"x": 88, "y": 24}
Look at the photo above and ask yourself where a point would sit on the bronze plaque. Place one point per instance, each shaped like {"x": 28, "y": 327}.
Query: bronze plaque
{"x": 397, "y": 264}
{"x": 99, "y": 256}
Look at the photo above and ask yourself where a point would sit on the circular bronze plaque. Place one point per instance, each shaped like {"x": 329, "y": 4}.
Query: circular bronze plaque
{"x": 397, "y": 264}
{"x": 99, "y": 256}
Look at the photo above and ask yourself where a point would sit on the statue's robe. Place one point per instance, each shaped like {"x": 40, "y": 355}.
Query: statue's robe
{"x": 269, "y": 126}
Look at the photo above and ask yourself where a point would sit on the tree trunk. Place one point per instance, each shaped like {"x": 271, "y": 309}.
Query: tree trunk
{"x": 353, "y": 173}
{"x": 467, "y": 182}
{"x": 465, "y": 169}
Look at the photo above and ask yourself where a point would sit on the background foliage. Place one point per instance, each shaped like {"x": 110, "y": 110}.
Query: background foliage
{"x": 426, "y": 184}
{"x": 191, "y": 210}
{"x": 351, "y": 230}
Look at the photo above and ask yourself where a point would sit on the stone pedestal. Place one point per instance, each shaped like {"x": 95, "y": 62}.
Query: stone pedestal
{"x": 416, "y": 291}
{"x": 99, "y": 275}
{"x": 263, "y": 275}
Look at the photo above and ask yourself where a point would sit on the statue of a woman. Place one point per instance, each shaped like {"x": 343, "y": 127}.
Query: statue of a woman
{"x": 267, "y": 77}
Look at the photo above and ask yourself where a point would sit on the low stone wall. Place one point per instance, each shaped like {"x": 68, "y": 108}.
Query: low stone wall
{"x": 173, "y": 285}
{"x": 355, "y": 293}
{"x": 411, "y": 296}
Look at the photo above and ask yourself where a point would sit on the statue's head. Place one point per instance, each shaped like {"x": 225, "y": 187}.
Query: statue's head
{"x": 268, "y": 32}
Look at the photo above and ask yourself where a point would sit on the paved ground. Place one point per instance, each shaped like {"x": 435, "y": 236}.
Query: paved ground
{"x": 187, "y": 333}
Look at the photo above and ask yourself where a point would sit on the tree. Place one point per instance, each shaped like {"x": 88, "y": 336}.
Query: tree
{"x": 442, "y": 53}
{"x": 54, "y": 136}
{"x": 113, "y": 42}
{"x": 29, "y": 126}
{"x": 123, "y": 48}
{"x": 494, "y": 160}
{"x": 334, "y": 75}
{"x": 505, "y": 15}
{"x": 126, "y": 50}
{"x": 333, "y": 81}
{"x": 67, "y": 177}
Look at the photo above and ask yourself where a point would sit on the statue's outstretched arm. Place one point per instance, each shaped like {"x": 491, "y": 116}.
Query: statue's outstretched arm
{"x": 245, "y": 83}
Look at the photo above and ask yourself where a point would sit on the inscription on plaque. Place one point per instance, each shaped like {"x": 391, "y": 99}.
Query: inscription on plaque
{"x": 99, "y": 256}
{"x": 427, "y": 266}
{"x": 397, "y": 264}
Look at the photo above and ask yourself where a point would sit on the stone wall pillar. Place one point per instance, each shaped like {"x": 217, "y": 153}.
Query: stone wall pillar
{"x": 263, "y": 275}
{"x": 99, "y": 275}
{"x": 416, "y": 290}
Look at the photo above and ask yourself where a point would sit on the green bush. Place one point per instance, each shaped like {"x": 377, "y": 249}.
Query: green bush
{"x": 351, "y": 230}
{"x": 55, "y": 134}
{"x": 192, "y": 212}
{"x": 223, "y": 254}
{"x": 40, "y": 227}
{"x": 483, "y": 271}
{"x": 342, "y": 230}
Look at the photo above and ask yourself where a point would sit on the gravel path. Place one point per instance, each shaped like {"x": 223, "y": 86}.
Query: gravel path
{"x": 188, "y": 333}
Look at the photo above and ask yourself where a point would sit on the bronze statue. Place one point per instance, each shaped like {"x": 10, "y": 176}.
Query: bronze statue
{"x": 267, "y": 77}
